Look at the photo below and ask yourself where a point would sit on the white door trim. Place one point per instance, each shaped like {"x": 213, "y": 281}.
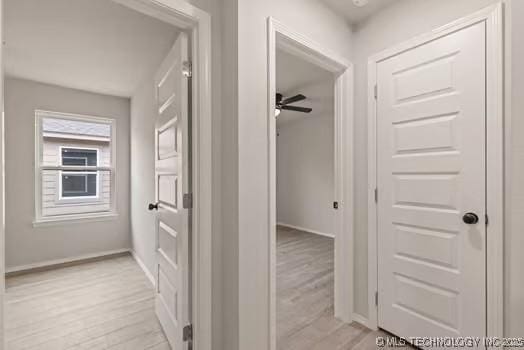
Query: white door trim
{"x": 492, "y": 16}
{"x": 198, "y": 25}
{"x": 282, "y": 37}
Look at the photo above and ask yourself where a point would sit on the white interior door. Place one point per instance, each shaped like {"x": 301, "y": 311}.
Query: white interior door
{"x": 431, "y": 120}
{"x": 171, "y": 184}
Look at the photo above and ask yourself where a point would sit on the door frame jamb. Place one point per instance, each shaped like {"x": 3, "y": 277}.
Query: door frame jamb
{"x": 282, "y": 37}
{"x": 197, "y": 23}
{"x": 493, "y": 17}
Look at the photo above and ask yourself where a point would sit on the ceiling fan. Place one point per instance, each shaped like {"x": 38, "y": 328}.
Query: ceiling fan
{"x": 283, "y": 104}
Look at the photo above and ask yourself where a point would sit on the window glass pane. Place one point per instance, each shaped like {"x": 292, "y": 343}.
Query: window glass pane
{"x": 79, "y": 157}
{"x": 79, "y": 184}
{"x": 75, "y": 192}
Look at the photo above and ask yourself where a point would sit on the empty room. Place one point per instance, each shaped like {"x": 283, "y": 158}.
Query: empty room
{"x": 261, "y": 175}
{"x": 83, "y": 80}
{"x": 306, "y": 206}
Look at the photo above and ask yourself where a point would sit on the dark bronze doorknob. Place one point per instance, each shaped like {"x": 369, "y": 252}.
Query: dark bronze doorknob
{"x": 470, "y": 218}
{"x": 153, "y": 206}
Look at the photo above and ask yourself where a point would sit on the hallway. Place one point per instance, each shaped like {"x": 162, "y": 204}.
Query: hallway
{"x": 305, "y": 284}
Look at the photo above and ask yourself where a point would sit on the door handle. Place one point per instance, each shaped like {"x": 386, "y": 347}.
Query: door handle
{"x": 470, "y": 218}
{"x": 152, "y": 206}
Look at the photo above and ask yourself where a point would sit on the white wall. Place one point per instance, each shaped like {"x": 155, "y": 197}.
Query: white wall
{"x": 228, "y": 172}
{"x": 2, "y": 183}
{"x": 305, "y": 163}
{"x": 66, "y": 35}
{"x": 26, "y": 244}
{"x": 514, "y": 237}
{"x": 317, "y": 22}
{"x": 143, "y": 173}
{"x": 397, "y": 23}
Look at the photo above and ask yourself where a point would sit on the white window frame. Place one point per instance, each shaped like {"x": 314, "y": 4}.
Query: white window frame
{"x": 80, "y": 199}
{"x": 40, "y": 167}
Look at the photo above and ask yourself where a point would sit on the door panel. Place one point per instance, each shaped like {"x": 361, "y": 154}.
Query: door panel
{"x": 431, "y": 171}
{"x": 430, "y": 134}
{"x": 167, "y": 243}
{"x": 172, "y": 181}
{"x": 167, "y": 190}
{"x": 166, "y": 140}
{"x": 167, "y": 293}
{"x": 435, "y": 247}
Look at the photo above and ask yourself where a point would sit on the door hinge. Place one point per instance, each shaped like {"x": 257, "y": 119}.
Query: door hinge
{"x": 187, "y": 69}
{"x": 335, "y": 205}
{"x": 376, "y": 195}
{"x": 487, "y": 219}
{"x": 376, "y": 298}
{"x": 188, "y": 201}
{"x": 187, "y": 333}
{"x": 376, "y": 91}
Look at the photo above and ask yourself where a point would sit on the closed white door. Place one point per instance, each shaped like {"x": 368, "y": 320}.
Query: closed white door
{"x": 171, "y": 184}
{"x": 431, "y": 119}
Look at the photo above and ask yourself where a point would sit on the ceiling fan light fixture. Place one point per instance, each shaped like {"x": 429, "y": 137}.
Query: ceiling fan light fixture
{"x": 360, "y": 3}
{"x": 284, "y": 103}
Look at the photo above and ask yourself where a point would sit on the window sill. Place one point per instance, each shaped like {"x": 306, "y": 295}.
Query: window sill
{"x": 77, "y": 219}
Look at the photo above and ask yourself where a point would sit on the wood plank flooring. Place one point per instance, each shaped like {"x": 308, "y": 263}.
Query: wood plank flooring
{"x": 107, "y": 304}
{"x": 305, "y": 283}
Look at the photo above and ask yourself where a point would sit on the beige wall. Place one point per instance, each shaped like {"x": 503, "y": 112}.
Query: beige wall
{"x": 397, "y": 23}
{"x": 26, "y": 244}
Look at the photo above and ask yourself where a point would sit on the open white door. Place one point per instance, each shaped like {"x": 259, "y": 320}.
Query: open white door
{"x": 431, "y": 176}
{"x": 172, "y": 184}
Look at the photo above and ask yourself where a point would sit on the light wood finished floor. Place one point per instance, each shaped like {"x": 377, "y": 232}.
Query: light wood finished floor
{"x": 107, "y": 304}
{"x": 305, "y": 316}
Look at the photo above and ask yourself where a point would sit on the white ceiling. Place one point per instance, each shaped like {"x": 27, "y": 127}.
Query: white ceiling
{"x": 92, "y": 45}
{"x": 296, "y": 76}
{"x": 353, "y": 13}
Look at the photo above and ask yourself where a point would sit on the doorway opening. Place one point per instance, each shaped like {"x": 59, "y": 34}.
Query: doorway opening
{"x": 305, "y": 241}
{"x": 101, "y": 93}
{"x": 330, "y": 104}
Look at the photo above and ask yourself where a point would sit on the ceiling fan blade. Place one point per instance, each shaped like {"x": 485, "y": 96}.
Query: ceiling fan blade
{"x": 297, "y": 109}
{"x": 295, "y": 98}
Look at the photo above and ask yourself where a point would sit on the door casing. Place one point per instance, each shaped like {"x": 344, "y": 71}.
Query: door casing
{"x": 281, "y": 37}
{"x": 493, "y": 17}
{"x": 197, "y": 23}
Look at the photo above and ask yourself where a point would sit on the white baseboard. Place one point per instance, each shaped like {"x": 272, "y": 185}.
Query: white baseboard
{"x": 140, "y": 263}
{"x": 360, "y": 319}
{"x": 51, "y": 263}
{"x": 330, "y": 235}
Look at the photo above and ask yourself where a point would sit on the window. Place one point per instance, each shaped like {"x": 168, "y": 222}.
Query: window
{"x": 74, "y": 167}
{"x": 78, "y": 184}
